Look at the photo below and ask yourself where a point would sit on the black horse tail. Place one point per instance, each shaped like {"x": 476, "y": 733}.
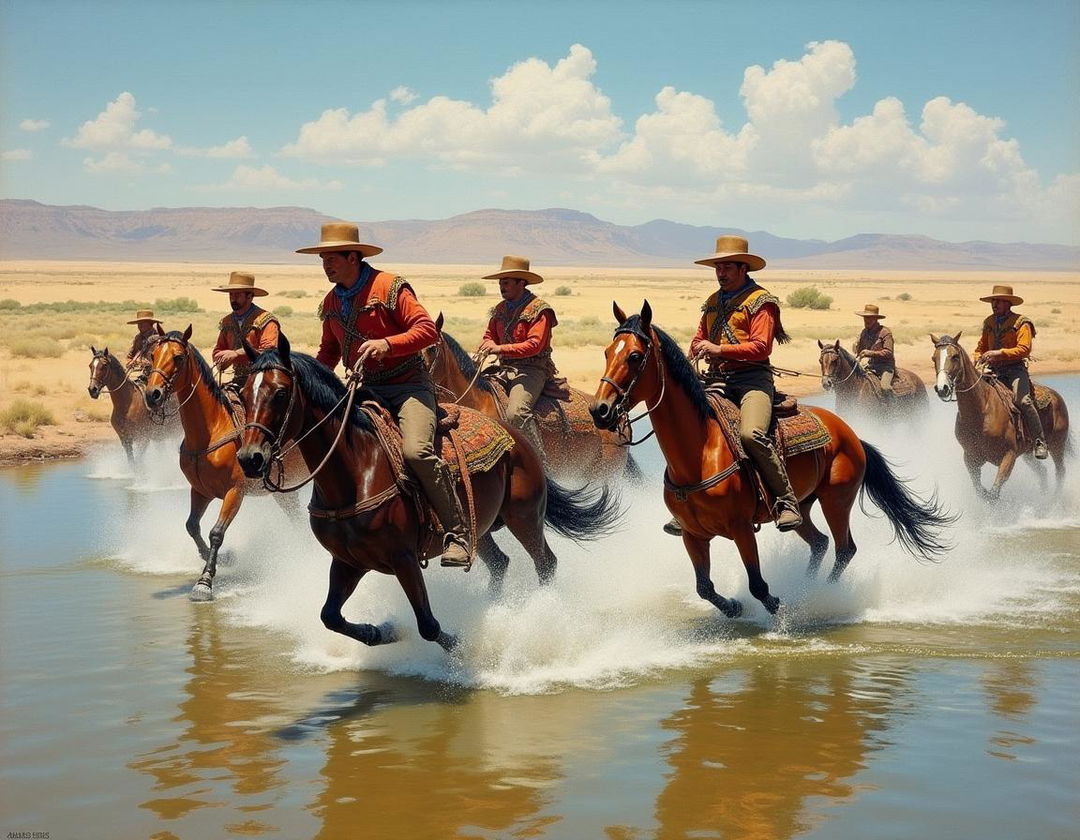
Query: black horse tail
{"x": 917, "y": 524}
{"x": 582, "y": 514}
{"x": 632, "y": 472}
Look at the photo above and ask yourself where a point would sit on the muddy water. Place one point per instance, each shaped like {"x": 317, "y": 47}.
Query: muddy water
{"x": 910, "y": 700}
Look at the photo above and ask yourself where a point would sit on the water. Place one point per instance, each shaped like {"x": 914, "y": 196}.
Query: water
{"x": 911, "y": 699}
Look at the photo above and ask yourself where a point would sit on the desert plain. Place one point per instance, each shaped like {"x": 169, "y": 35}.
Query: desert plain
{"x": 52, "y": 312}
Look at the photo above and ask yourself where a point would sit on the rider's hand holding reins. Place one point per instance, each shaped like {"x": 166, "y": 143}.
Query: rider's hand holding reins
{"x": 374, "y": 349}
{"x": 487, "y": 348}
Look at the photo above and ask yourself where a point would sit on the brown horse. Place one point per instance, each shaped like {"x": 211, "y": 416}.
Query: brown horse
{"x": 985, "y": 427}
{"x": 208, "y": 450}
{"x": 857, "y": 389}
{"x": 358, "y": 511}
{"x": 130, "y": 418}
{"x": 708, "y": 490}
{"x": 572, "y": 452}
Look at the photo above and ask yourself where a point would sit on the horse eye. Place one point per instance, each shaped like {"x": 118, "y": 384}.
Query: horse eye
{"x": 280, "y": 394}
{"x": 635, "y": 357}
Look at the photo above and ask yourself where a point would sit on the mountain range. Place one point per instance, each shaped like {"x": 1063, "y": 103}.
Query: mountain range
{"x": 31, "y": 230}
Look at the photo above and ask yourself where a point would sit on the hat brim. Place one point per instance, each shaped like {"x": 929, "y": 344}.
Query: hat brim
{"x": 142, "y": 320}
{"x": 326, "y": 247}
{"x": 529, "y": 277}
{"x": 1013, "y": 299}
{"x": 257, "y": 291}
{"x": 870, "y": 314}
{"x": 753, "y": 261}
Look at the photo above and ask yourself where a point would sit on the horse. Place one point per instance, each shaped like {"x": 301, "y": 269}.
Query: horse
{"x": 706, "y": 487}
{"x": 572, "y": 451}
{"x": 857, "y": 388}
{"x": 985, "y": 428}
{"x": 358, "y": 511}
{"x": 130, "y": 418}
{"x": 208, "y": 450}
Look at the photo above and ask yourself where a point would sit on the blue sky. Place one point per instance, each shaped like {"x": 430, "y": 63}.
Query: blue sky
{"x": 957, "y": 120}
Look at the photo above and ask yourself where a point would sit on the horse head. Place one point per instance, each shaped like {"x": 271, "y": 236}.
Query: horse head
{"x": 270, "y": 395}
{"x": 99, "y": 368}
{"x": 628, "y": 376}
{"x": 829, "y": 359}
{"x": 169, "y": 356}
{"x": 948, "y": 359}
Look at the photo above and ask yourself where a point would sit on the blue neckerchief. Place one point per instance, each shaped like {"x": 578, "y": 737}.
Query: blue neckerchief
{"x": 346, "y": 295}
{"x": 240, "y": 316}
{"x": 750, "y": 284}
{"x": 526, "y": 296}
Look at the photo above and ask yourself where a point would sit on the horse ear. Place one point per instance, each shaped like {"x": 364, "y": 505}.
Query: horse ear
{"x": 837, "y": 345}
{"x": 646, "y": 316}
{"x": 92, "y": 350}
{"x": 933, "y": 338}
{"x": 284, "y": 349}
{"x": 252, "y": 353}
{"x": 820, "y": 345}
{"x": 956, "y": 337}
{"x": 105, "y": 352}
{"x": 620, "y": 316}
{"x": 187, "y": 333}
{"x": 439, "y": 322}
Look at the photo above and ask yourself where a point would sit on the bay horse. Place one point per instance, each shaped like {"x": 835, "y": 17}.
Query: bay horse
{"x": 709, "y": 492}
{"x": 985, "y": 428}
{"x": 208, "y": 450}
{"x": 358, "y": 511}
{"x": 130, "y": 418}
{"x": 858, "y": 389}
{"x": 572, "y": 452}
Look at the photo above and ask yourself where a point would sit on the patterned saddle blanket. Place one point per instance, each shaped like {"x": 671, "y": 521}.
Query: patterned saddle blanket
{"x": 559, "y": 409}
{"x": 793, "y": 434}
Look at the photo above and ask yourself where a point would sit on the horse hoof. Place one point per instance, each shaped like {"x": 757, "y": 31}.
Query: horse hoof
{"x": 387, "y": 633}
{"x": 447, "y": 642}
{"x": 734, "y": 608}
{"x": 200, "y": 592}
{"x": 771, "y": 603}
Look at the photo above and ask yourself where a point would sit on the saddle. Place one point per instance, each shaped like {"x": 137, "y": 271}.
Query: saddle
{"x": 1040, "y": 395}
{"x": 560, "y": 409}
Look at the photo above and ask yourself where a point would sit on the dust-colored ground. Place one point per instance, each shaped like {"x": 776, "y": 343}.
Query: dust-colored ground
{"x": 933, "y": 302}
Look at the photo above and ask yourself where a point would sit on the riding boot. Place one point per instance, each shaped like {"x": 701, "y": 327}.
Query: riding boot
{"x": 773, "y": 469}
{"x": 673, "y": 527}
{"x": 455, "y": 528}
{"x": 1033, "y": 426}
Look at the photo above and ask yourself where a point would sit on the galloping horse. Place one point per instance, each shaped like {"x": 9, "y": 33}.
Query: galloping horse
{"x": 358, "y": 512}
{"x": 130, "y": 418}
{"x": 984, "y": 418}
{"x": 711, "y": 495}
{"x": 856, "y": 388}
{"x": 208, "y": 451}
{"x": 572, "y": 451}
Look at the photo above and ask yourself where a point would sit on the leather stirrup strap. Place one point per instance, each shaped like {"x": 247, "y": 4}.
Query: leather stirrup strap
{"x": 466, "y": 479}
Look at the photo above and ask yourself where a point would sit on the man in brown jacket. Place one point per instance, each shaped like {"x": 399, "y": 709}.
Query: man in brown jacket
{"x": 138, "y": 358}
{"x": 874, "y": 349}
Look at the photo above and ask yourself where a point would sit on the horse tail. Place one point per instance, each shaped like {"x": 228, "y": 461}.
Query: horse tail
{"x": 632, "y": 472}
{"x": 582, "y": 514}
{"x": 915, "y": 522}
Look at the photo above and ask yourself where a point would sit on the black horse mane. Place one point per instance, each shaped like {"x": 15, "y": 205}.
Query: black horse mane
{"x": 465, "y": 362}
{"x": 679, "y": 367}
{"x": 205, "y": 373}
{"x": 320, "y": 386}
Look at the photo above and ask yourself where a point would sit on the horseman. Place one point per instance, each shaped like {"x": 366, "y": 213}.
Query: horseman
{"x": 138, "y": 362}
{"x": 739, "y": 323}
{"x": 519, "y": 333}
{"x": 1004, "y": 349}
{"x": 874, "y": 349}
{"x": 371, "y": 320}
{"x": 247, "y": 321}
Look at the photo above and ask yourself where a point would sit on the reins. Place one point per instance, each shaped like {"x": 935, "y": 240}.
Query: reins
{"x": 624, "y": 426}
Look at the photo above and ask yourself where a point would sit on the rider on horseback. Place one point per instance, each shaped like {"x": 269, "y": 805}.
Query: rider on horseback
{"x": 247, "y": 321}
{"x": 138, "y": 362}
{"x": 519, "y": 333}
{"x": 874, "y": 349}
{"x": 372, "y": 319}
{"x": 1004, "y": 349}
{"x": 739, "y": 323}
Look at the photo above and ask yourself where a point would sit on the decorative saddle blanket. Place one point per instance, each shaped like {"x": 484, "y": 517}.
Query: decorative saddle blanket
{"x": 794, "y": 433}
{"x": 564, "y": 415}
{"x": 905, "y": 383}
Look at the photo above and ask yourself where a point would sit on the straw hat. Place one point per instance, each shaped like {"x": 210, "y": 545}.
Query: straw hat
{"x": 870, "y": 311}
{"x": 144, "y": 315}
{"x": 341, "y": 236}
{"x": 240, "y": 281}
{"x": 515, "y": 267}
{"x": 733, "y": 249}
{"x": 1004, "y": 293}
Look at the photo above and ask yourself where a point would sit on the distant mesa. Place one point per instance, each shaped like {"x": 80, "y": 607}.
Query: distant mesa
{"x": 555, "y": 236}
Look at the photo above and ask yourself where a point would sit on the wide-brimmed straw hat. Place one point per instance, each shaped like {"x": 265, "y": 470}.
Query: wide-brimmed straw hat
{"x": 1003, "y": 293}
{"x": 144, "y": 315}
{"x": 515, "y": 267}
{"x": 240, "y": 281}
{"x": 870, "y": 311}
{"x": 733, "y": 249}
{"x": 341, "y": 236}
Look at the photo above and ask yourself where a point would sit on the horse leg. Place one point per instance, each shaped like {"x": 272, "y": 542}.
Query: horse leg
{"x": 698, "y": 549}
{"x": 199, "y": 504}
{"x": 1005, "y": 469}
{"x": 230, "y": 506}
{"x": 408, "y": 573}
{"x": 496, "y": 561}
{"x": 818, "y": 542}
{"x": 343, "y": 581}
{"x": 526, "y": 524}
{"x": 836, "y": 508}
{"x": 974, "y": 467}
{"x": 746, "y": 542}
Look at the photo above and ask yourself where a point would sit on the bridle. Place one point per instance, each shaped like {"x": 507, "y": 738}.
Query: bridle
{"x": 167, "y": 380}
{"x": 832, "y": 381}
{"x": 95, "y": 378}
{"x": 621, "y": 407}
{"x": 944, "y": 343}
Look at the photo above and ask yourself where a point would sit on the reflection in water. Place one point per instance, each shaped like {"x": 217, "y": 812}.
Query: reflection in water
{"x": 1010, "y": 686}
{"x": 752, "y": 746}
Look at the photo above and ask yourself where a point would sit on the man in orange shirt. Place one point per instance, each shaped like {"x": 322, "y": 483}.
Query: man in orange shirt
{"x": 371, "y": 319}
{"x": 519, "y": 333}
{"x": 739, "y": 323}
{"x": 1004, "y": 348}
{"x": 247, "y": 321}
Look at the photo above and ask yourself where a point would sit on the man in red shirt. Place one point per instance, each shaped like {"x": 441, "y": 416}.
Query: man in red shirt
{"x": 371, "y": 319}
{"x": 739, "y": 323}
{"x": 259, "y": 327}
{"x": 519, "y": 333}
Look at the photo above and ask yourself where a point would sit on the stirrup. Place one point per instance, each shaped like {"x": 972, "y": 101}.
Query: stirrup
{"x": 673, "y": 527}
{"x": 787, "y": 523}
{"x": 1039, "y": 449}
{"x": 456, "y": 553}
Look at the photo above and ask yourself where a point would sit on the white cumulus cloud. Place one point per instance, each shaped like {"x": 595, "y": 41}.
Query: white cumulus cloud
{"x": 233, "y": 149}
{"x": 123, "y": 164}
{"x": 34, "y": 125}
{"x": 114, "y": 130}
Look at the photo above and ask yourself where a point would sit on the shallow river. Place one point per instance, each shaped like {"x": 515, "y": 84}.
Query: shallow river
{"x": 911, "y": 700}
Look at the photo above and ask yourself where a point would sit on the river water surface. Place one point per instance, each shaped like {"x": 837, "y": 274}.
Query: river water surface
{"x": 911, "y": 700}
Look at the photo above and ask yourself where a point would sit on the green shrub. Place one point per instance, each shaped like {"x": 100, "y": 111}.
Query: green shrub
{"x": 24, "y": 416}
{"x": 903, "y": 296}
{"x": 293, "y": 293}
{"x": 1054, "y": 311}
{"x": 562, "y": 290}
{"x": 179, "y": 304}
{"x": 9, "y": 303}
{"x": 283, "y": 311}
{"x": 472, "y": 290}
{"x": 35, "y": 347}
{"x": 808, "y": 297}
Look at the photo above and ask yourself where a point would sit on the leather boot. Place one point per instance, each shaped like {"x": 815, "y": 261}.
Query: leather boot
{"x": 456, "y": 531}
{"x": 1033, "y": 426}
{"x": 772, "y": 468}
{"x": 1039, "y": 450}
{"x": 673, "y": 527}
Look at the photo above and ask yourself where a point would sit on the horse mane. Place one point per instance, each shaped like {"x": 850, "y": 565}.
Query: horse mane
{"x": 205, "y": 372}
{"x": 111, "y": 361}
{"x": 465, "y": 362}
{"x": 320, "y": 386}
{"x": 679, "y": 367}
